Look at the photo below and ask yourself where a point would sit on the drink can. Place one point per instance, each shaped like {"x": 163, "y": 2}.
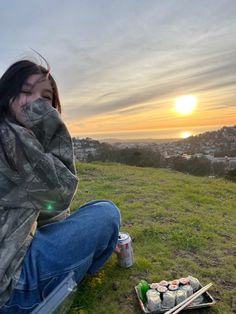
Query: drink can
{"x": 125, "y": 256}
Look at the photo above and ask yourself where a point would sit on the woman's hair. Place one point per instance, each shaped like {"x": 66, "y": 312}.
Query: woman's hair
{"x": 14, "y": 78}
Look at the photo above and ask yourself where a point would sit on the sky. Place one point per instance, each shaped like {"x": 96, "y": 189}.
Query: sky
{"x": 121, "y": 64}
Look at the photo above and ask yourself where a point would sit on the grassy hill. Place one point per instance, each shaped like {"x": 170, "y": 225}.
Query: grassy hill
{"x": 180, "y": 225}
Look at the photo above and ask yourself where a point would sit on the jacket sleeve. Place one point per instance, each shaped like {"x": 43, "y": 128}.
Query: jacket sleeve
{"x": 42, "y": 155}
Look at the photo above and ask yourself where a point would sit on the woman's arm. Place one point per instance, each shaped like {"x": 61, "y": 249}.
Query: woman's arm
{"x": 42, "y": 152}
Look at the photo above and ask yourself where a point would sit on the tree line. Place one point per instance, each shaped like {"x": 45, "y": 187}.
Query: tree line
{"x": 146, "y": 157}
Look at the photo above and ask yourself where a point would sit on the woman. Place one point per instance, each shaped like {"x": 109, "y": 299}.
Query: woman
{"x": 40, "y": 243}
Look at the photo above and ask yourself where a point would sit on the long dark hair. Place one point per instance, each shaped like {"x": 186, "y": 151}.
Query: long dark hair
{"x": 14, "y": 78}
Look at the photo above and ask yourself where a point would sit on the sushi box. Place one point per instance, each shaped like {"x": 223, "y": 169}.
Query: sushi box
{"x": 207, "y": 301}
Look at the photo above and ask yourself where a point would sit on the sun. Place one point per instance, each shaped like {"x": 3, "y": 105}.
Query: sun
{"x": 185, "y": 105}
{"x": 186, "y": 134}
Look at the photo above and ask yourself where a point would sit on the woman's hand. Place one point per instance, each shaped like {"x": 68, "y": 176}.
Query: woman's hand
{"x": 117, "y": 249}
{"x": 16, "y": 106}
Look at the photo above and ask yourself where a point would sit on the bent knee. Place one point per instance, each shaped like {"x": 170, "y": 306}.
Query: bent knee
{"x": 110, "y": 212}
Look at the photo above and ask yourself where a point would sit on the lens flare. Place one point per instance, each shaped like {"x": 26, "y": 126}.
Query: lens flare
{"x": 49, "y": 207}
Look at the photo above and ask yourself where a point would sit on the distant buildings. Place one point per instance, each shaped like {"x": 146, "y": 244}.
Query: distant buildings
{"x": 217, "y": 146}
{"x": 84, "y": 148}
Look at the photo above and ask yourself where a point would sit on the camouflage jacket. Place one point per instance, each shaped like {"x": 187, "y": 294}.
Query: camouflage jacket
{"x": 37, "y": 183}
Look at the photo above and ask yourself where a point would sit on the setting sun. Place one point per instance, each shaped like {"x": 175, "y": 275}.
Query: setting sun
{"x": 185, "y": 134}
{"x": 185, "y": 104}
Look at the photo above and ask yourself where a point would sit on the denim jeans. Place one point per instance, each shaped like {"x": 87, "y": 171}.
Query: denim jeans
{"x": 81, "y": 243}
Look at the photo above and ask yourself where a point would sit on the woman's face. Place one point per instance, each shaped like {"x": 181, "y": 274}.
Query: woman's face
{"x": 36, "y": 86}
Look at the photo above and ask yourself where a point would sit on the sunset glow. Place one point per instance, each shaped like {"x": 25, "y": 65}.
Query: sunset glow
{"x": 122, "y": 81}
{"x": 186, "y": 134}
{"x": 185, "y": 105}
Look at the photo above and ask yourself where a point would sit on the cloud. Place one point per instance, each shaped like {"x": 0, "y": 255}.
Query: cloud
{"x": 129, "y": 57}
{"x": 195, "y": 78}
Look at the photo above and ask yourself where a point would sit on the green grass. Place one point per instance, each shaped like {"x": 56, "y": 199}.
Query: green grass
{"x": 180, "y": 225}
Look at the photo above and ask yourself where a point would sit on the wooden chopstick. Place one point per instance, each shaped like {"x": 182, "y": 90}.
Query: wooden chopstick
{"x": 189, "y": 300}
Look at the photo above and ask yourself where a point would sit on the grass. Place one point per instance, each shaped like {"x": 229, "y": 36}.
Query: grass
{"x": 180, "y": 225}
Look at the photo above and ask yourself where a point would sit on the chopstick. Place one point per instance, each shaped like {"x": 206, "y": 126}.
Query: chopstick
{"x": 189, "y": 300}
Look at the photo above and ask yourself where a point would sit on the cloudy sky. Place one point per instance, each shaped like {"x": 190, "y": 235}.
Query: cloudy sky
{"x": 121, "y": 64}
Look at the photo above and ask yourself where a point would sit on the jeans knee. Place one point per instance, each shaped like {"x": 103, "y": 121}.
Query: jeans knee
{"x": 111, "y": 212}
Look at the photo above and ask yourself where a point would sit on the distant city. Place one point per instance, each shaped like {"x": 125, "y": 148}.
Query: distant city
{"x": 217, "y": 146}
{"x": 159, "y": 135}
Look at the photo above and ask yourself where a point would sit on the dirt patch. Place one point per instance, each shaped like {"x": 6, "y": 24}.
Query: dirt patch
{"x": 163, "y": 220}
{"x": 226, "y": 284}
{"x": 230, "y": 252}
{"x": 224, "y": 235}
{"x": 127, "y": 300}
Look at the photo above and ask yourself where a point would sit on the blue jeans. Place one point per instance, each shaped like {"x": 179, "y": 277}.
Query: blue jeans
{"x": 81, "y": 243}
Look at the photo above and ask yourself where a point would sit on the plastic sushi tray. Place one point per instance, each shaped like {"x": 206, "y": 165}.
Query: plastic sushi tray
{"x": 207, "y": 301}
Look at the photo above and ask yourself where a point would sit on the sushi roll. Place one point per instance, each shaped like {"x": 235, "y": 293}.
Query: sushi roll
{"x": 153, "y": 300}
{"x": 173, "y": 287}
{"x": 163, "y": 283}
{"x": 188, "y": 289}
{"x": 198, "y": 300}
{"x": 183, "y": 281}
{"x": 168, "y": 300}
{"x": 174, "y": 282}
{"x": 181, "y": 295}
{"x": 162, "y": 289}
{"x": 194, "y": 283}
{"x": 154, "y": 285}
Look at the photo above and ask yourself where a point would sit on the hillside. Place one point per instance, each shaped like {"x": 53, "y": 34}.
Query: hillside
{"x": 220, "y": 143}
{"x": 180, "y": 225}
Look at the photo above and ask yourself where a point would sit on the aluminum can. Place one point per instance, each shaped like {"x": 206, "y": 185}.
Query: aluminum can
{"x": 125, "y": 256}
